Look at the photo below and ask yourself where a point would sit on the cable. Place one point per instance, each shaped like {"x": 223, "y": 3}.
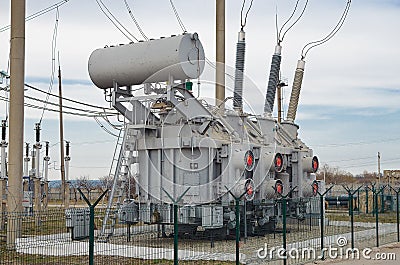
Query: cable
{"x": 7, "y": 83}
{"x": 67, "y": 99}
{"x": 115, "y": 21}
{"x": 177, "y": 17}
{"x": 359, "y": 143}
{"x": 210, "y": 63}
{"x": 103, "y": 127}
{"x": 276, "y": 23}
{"x": 353, "y": 159}
{"x": 39, "y": 13}
{"x": 67, "y": 107}
{"x": 243, "y": 24}
{"x": 338, "y": 26}
{"x": 65, "y": 112}
{"x": 117, "y": 127}
{"x": 135, "y": 21}
{"x": 53, "y": 63}
{"x": 95, "y": 142}
{"x": 371, "y": 163}
{"x": 287, "y": 21}
{"x": 294, "y": 23}
{"x": 88, "y": 167}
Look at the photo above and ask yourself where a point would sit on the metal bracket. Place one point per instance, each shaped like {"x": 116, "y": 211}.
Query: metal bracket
{"x": 189, "y": 107}
{"x": 139, "y": 113}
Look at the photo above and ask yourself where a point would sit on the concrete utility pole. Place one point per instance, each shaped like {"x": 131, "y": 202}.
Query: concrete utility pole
{"x": 64, "y": 189}
{"x": 16, "y": 129}
{"x": 220, "y": 54}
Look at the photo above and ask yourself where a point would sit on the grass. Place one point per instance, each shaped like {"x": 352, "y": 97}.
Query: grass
{"x": 368, "y": 218}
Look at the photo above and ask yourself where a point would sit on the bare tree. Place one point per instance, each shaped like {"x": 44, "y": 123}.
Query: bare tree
{"x": 83, "y": 182}
{"x": 334, "y": 175}
{"x": 106, "y": 182}
{"x": 129, "y": 184}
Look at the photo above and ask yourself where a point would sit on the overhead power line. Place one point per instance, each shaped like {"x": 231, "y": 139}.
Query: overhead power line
{"x": 244, "y": 21}
{"x": 331, "y": 34}
{"x": 178, "y": 17}
{"x": 67, "y": 99}
{"x": 372, "y": 163}
{"x": 280, "y": 36}
{"x": 358, "y": 143}
{"x": 39, "y": 13}
{"x": 351, "y": 159}
{"x": 53, "y": 62}
{"x": 67, "y": 107}
{"x": 134, "y": 20}
{"x": 104, "y": 9}
{"x": 65, "y": 112}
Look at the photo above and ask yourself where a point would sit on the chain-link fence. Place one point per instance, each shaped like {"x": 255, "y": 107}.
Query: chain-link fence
{"x": 300, "y": 230}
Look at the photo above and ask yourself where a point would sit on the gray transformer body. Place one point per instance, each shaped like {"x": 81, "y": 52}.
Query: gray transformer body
{"x": 173, "y": 142}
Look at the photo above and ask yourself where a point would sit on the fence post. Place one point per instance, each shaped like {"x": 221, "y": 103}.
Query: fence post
{"x": 237, "y": 228}
{"x": 397, "y": 212}
{"x": 366, "y": 199}
{"x": 91, "y": 223}
{"x": 176, "y": 256}
{"x": 284, "y": 227}
{"x": 351, "y": 219}
{"x": 245, "y": 220}
{"x": 376, "y": 219}
{"x": 376, "y": 210}
{"x": 175, "y": 202}
{"x": 322, "y": 219}
{"x": 397, "y": 215}
{"x": 284, "y": 197}
{"x": 321, "y": 211}
{"x": 377, "y": 216}
{"x": 351, "y": 211}
{"x": 373, "y": 200}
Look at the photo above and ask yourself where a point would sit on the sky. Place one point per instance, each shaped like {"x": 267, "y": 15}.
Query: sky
{"x": 349, "y": 105}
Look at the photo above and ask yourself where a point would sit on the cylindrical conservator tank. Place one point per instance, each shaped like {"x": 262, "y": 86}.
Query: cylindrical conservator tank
{"x": 181, "y": 56}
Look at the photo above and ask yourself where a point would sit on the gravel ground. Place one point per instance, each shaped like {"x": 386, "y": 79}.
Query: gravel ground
{"x": 248, "y": 247}
{"x": 300, "y": 235}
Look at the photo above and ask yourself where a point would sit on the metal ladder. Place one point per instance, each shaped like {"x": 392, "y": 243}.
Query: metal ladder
{"x": 118, "y": 185}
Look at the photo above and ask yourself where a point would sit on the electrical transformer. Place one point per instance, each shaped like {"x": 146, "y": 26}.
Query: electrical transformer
{"x": 175, "y": 145}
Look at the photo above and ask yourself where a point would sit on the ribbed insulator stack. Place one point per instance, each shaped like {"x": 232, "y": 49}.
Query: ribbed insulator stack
{"x": 273, "y": 80}
{"x": 294, "y": 97}
{"x": 240, "y": 56}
